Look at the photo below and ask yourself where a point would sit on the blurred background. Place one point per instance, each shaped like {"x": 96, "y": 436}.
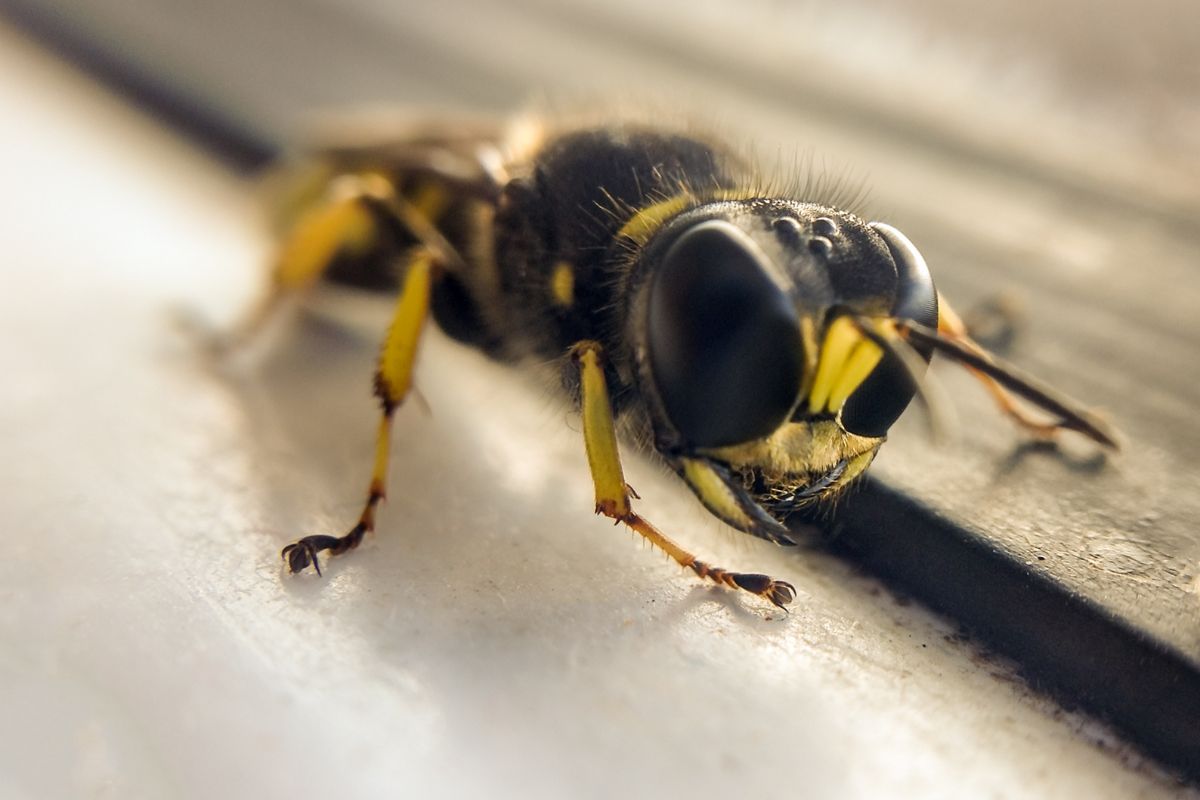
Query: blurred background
{"x": 494, "y": 638}
{"x": 1104, "y": 92}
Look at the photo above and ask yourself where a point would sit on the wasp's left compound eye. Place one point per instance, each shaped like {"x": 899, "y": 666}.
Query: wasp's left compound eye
{"x": 725, "y": 345}
{"x": 880, "y": 400}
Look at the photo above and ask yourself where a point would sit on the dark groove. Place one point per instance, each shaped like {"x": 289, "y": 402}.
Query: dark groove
{"x": 1071, "y": 648}
{"x": 233, "y": 142}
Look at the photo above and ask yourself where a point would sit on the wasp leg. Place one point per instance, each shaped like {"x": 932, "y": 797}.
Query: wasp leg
{"x": 351, "y": 219}
{"x": 951, "y": 327}
{"x": 341, "y": 222}
{"x": 612, "y": 493}
{"x": 393, "y": 381}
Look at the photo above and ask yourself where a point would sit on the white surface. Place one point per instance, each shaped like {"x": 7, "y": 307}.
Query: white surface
{"x": 495, "y": 639}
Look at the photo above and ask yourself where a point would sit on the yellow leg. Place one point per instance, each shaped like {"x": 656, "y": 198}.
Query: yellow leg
{"x": 348, "y": 220}
{"x": 345, "y": 221}
{"x": 393, "y": 380}
{"x": 612, "y": 493}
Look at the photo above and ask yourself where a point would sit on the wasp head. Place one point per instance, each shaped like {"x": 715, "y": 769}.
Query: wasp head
{"x": 761, "y": 331}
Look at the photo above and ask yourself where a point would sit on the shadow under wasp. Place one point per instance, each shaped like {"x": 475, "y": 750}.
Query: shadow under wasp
{"x": 762, "y": 343}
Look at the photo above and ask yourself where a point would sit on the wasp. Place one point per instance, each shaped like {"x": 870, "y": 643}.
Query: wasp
{"x": 762, "y": 344}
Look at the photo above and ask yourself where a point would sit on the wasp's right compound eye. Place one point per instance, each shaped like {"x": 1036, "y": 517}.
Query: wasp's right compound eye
{"x": 725, "y": 346}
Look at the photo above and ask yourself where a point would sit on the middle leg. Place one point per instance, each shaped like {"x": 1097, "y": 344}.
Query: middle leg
{"x": 393, "y": 380}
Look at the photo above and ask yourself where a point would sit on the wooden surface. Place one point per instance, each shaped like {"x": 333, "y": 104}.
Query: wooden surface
{"x": 1083, "y": 567}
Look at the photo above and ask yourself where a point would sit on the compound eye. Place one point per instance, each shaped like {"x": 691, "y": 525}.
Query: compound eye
{"x": 880, "y": 400}
{"x": 725, "y": 347}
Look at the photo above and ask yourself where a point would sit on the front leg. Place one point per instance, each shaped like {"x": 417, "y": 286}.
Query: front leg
{"x": 613, "y": 494}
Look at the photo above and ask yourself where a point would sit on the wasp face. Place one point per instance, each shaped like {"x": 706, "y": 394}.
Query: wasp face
{"x": 754, "y": 345}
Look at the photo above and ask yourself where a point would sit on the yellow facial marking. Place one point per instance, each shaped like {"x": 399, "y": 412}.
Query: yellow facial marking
{"x": 847, "y": 359}
{"x": 857, "y": 466}
{"x": 858, "y": 366}
{"x": 840, "y": 340}
{"x": 562, "y": 284}
{"x": 642, "y": 225}
{"x": 713, "y": 492}
{"x": 813, "y": 446}
{"x": 808, "y": 335}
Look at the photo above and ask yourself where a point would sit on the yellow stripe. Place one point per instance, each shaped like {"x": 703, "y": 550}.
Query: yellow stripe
{"x": 562, "y": 284}
{"x": 642, "y": 225}
{"x": 847, "y": 359}
{"x": 856, "y": 369}
{"x": 808, "y": 335}
{"x": 840, "y": 340}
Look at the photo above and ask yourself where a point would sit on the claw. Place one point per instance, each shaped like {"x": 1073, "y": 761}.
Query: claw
{"x": 299, "y": 555}
{"x": 778, "y": 592}
{"x": 781, "y": 593}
